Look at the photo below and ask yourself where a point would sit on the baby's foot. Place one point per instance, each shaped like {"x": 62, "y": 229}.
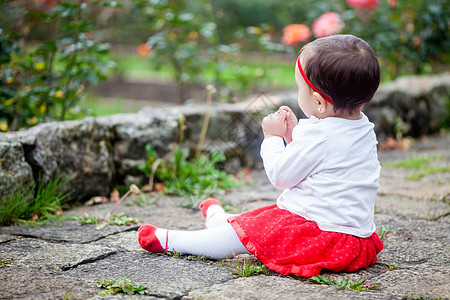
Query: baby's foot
{"x": 148, "y": 239}
{"x": 214, "y": 213}
{"x": 206, "y": 204}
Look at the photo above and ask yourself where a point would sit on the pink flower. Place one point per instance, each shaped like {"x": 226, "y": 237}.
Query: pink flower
{"x": 295, "y": 33}
{"x": 364, "y": 4}
{"x": 327, "y": 24}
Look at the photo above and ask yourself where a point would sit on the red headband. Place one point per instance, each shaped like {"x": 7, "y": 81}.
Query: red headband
{"x": 310, "y": 84}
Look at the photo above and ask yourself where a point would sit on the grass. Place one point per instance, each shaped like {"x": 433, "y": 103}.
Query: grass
{"x": 196, "y": 179}
{"x": 357, "y": 286}
{"x": 422, "y": 164}
{"x": 118, "y": 220}
{"x": 4, "y": 263}
{"x": 385, "y": 232}
{"x": 246, "y": 268}
{"x": 242, "y": 268}
{"x": 394, "y": 266}
{"x": 121, "y": 285}
{"x": 40, "y": 203}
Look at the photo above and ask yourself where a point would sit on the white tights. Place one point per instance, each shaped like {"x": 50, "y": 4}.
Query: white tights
{"x": 217, "y": 241}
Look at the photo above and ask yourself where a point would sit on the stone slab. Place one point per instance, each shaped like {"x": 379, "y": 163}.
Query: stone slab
{"x": 414, "y": 254}
{"x": 275, "y": 287}
{"x": 30, "y": 284}
{"x": 166, "y": 211}
{"x": 415, "y": 229}
{"x": 409, "y": 188}
{"x": 164, "y": 276}
{"x": 7, "y": 237}
{"x": 68, "y": 231}
{"x": 124, "y": 241}
{"x": 415, "y": 284}
{"x": 50, "y": 257}
{"x": 411, "y": 207}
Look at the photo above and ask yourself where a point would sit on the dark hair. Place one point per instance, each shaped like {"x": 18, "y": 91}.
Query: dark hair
{"x": 345, "y": 68}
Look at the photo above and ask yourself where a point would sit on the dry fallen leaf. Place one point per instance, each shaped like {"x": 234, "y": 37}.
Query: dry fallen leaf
{"x": 115, "y": 196}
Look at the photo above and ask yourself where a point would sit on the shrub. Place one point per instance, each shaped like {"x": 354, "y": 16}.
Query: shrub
{"x": 46, "y": 78}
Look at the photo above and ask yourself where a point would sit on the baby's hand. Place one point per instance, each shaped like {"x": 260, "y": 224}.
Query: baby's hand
{"x": 274, "y": 124}
{"x": 291, "y": 122}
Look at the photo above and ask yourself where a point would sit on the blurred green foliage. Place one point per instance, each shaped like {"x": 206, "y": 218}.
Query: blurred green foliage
{"x": 187, "y": 36}
{"x": 411, "y": 38}
{"x": 49, "y": 56}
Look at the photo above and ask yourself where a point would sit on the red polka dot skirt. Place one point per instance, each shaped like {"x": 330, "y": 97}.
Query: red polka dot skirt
{"x": 289, "y": 244}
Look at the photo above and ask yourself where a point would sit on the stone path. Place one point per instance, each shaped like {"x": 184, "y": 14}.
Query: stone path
{"x": 414, "y": 216}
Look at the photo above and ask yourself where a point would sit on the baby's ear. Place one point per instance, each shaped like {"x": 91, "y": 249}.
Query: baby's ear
{"x": 320, "y": 101}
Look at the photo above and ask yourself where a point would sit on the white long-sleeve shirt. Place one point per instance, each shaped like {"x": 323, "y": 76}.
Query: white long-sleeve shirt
{"x": 329, "y": 173}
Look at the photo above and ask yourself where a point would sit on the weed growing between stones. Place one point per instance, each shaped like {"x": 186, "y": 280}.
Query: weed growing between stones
{"x": 69, "y": 295}
{"x": 358, "y": 286}
{"x": 111, "y": 219}
{"x": 385, "y": 232}
{"x": 246, "y": 268}
{"x": 422, "y": 164}
{"x": 242, "y": 268}
{"x": 4, "y": 263}
{"x": 121, "y": 285}
{"x": 36, "y": 205}
{"x": 202, "y": 258}
{"x": 392, "y": 267}
{"x": 118, "y": 220}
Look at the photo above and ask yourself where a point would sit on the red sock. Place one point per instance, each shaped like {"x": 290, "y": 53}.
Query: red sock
{"x": 207, "y": 203}
{"x": 148, "y": 240}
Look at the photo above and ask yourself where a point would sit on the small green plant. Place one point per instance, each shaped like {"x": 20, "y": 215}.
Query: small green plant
{"x": 121, "y": 285}
{"x": 4, "y": 263}
{"x": 202, "y": 258}
{"x": 196, "y": 178}
{"x": 246, "y": 268}
{"x": 122, "y": 220}
{"x": 118, "y": 220}
{"x": 180, "y": 176}
{"x": 141, "y": 201}
{"x": 358, "y": 286}
{"x": 69, "y": 295}
{"x": 174, "y": 254}
{"x": 35, "y": 205}
{"x": 420, "y": 163}
{"x": 392, "y": 267}
{"x": 385, "y": 232}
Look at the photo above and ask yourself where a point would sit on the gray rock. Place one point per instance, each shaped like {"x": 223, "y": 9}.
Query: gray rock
{"x": 415, "y": 284}
{"x": 50, "y": 257}
{"x": 76, "y": 150}
{"x": 132, "y": 132}
{"x": 418, "y": 205}
{"x": 15, "y": 173}
{"x": 274, "y": 287}
{"x": 415, "y": 105}
{"x": 25, "y": 283}
{"x": 164, "y": 276}
{"x": 70, "y": 234}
